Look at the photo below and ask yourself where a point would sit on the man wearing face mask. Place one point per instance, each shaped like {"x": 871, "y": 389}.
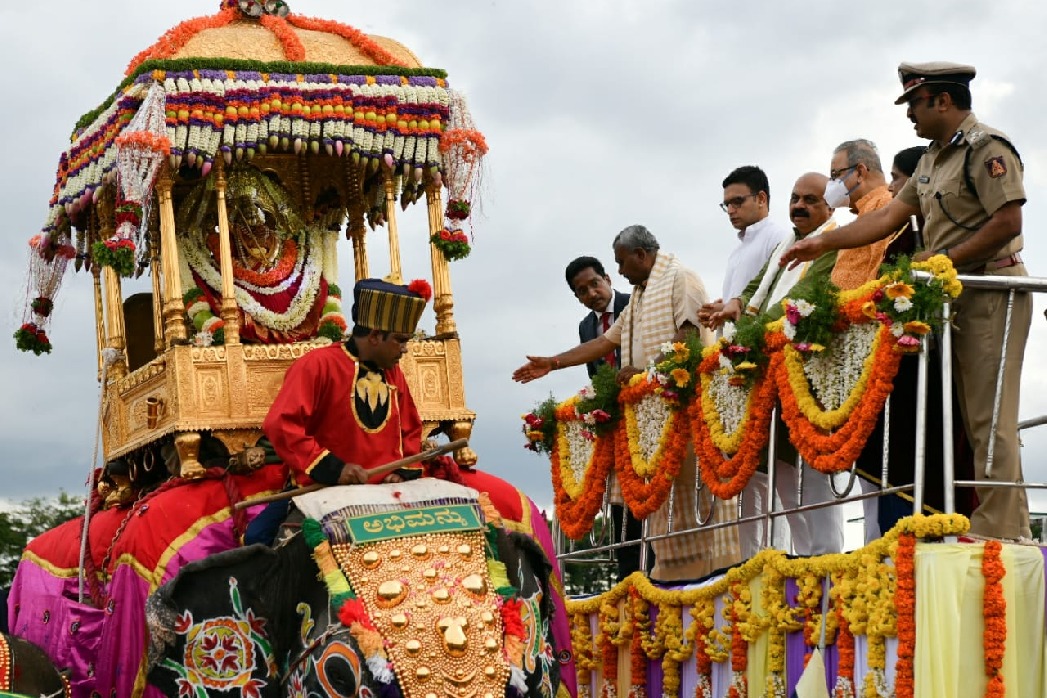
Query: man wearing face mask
{"x": 968, "y": 186}
{"x": 813, "y": 532}
{"x": 858, "y": 183}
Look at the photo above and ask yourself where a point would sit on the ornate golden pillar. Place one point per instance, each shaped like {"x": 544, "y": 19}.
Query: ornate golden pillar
{"x": 116, "y": 337}
{"x": 230, "y": 315}
{"x": 154, "y": 268}
{"x": 113, "y": 307}
{"x": 444, "y": 301}
{"x": 395, "y": 274}
{"x": 173, "y": 306}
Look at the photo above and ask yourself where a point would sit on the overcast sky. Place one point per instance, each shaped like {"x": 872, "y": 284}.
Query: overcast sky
{"x": 598, "y": 114}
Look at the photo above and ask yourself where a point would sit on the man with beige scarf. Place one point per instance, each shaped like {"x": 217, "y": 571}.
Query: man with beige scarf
{"x": 663, "y": 308}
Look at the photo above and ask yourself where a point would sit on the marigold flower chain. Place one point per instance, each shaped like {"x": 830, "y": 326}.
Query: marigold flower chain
{"x": 995, "y": 614}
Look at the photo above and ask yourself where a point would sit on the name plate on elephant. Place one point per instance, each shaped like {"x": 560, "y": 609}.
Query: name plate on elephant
{"x": 372, "y": 528}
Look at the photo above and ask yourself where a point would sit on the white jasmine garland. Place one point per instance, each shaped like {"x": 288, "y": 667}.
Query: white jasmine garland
{"x": 652, "y": 414}
{"x": 730, "y": 400}
{"x": 311, "y": 272}
{"x": 728, "y": 332}
{"x": 833, "y": 373}
{"x": 789, "y": 330}
{"x": 580, "y": 449}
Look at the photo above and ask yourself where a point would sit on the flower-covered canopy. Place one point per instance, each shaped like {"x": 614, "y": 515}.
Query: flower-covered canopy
{"x": 256, "y": 78}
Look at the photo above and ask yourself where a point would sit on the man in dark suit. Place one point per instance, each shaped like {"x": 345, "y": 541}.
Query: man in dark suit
{"x": 592, "y": 287}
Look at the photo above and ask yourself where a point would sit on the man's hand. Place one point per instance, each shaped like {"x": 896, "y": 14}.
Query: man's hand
{"x": 352, "y": 474}
{"x": 535, "y": 368}
{"x": 626, "y": 373}
{"x": 706, "y": 312}
{"x": 392, "y": 478}
{"x": 806, "y": 250}
{"x": 731, "y": 311}
{"x": 922, "y": 256}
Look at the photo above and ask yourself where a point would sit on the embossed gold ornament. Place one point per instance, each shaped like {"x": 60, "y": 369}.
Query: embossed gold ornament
{"x": 449, "y": 644}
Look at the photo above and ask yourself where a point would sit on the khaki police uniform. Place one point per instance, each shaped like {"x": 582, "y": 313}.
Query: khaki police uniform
{"x": 982, "y": 158}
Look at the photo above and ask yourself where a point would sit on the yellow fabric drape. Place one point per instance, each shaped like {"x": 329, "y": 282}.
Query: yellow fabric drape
{"x": 757, "y": 654}
{"x": 949, "y": 621}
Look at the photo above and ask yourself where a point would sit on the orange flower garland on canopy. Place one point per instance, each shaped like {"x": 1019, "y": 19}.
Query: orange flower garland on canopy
{"x": 354, "y": 36}
{"x": 289, "y": 41}
{"x": 179, "y": 35}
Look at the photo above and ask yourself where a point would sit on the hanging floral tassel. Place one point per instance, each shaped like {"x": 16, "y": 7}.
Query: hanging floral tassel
{"x": 140, "y": 151}
{"x": 462, "y": 149}
{"x": 49, "y": 255}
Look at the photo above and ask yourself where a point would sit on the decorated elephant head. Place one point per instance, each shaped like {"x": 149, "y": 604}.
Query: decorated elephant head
{"x": 413, "y": 593}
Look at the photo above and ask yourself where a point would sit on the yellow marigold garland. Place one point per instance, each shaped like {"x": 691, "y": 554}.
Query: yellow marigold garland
{"x": 864, "y": 591}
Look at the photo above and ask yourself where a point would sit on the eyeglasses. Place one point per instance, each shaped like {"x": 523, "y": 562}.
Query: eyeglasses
{"x": 836, "y": 174}
{"x": 736, "y": 202}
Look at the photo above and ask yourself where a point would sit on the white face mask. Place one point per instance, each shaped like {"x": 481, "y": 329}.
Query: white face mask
{"x": 836, "y": 194}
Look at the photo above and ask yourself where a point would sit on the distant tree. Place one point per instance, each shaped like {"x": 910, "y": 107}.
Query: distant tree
{"x": 591, "y": 575}
{"x": 28, "y": 520}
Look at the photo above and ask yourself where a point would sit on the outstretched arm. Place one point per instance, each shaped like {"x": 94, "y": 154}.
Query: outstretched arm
{"x": 862, "y": 231}
{"x": 538, "y": 366}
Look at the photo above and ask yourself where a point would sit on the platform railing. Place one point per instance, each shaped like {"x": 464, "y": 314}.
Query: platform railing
{"x": 602, "y": 548}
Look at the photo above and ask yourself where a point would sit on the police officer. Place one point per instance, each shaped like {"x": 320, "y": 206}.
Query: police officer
{"x": 968, "y": 187}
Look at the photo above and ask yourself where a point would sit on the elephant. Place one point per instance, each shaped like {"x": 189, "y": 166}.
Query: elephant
{"x": 25, "y": 669}
{"x": 258, "y": 621}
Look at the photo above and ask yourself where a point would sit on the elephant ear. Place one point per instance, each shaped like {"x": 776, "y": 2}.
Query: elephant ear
{"x": 192, "y": 592}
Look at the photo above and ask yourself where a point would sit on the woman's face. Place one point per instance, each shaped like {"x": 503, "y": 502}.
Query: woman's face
{"x": 898, "y": 180}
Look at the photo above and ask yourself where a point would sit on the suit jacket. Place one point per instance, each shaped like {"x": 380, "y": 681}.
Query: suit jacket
{"x": 590, "y": 328}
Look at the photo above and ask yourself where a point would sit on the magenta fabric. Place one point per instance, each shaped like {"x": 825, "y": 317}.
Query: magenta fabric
{"x": 104, "y": 649}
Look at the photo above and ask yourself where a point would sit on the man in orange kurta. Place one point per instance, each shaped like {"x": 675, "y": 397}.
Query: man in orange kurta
{"x": 346, "y": 409}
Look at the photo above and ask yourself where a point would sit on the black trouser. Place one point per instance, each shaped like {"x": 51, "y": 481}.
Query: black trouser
{"x": 628, "y": 557}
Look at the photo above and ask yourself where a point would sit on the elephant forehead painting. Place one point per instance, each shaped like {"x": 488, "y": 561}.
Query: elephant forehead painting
{"x": 422, "y": 596}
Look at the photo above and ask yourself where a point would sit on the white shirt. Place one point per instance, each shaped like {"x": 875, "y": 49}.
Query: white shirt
{"x": 757, "y": 243}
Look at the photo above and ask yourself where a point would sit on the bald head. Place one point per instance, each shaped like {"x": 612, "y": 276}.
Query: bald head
{"x": 807, "y": 207}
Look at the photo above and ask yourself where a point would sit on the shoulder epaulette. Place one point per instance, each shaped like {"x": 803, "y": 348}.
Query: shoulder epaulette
{"x": 978, "y": 138}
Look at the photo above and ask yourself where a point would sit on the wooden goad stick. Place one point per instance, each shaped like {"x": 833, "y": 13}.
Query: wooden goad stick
{"x": 381, "y": 470}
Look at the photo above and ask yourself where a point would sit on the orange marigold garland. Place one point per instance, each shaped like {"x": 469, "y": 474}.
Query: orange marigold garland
{"x": 608, "y": 639}
{"x": 835, "y": 452}
{"x": 995, "y": 612}
{"x": 637, "y": 656}
{"x": 178, "y": 36}
{"x": 644, "y": 497}
{"x": 727, "y": 476}
{"x": 576, "y": 515}
{"x": 905, "y": 602}
{"x": 845, "y": 648}
{"x": 289, "y": 41}
{"x": 354, "y": 36}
